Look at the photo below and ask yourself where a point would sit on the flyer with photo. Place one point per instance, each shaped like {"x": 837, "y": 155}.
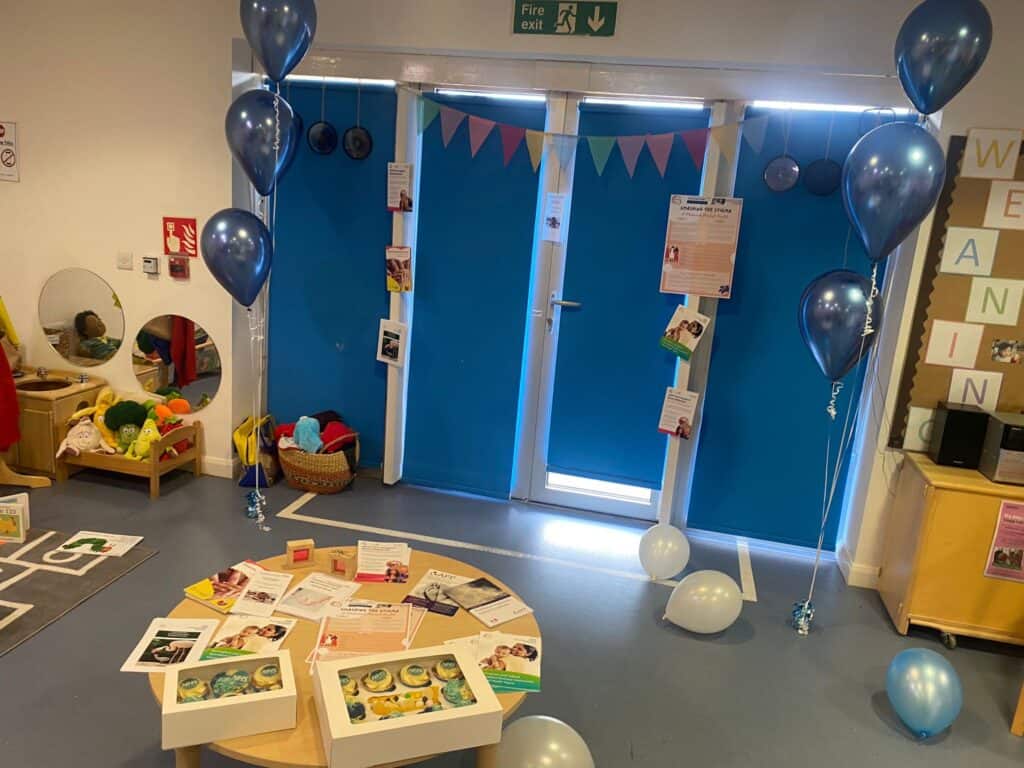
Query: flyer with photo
{"x": 1006, "y": 556}
{"x": 104, "y": 544}
{"x": 391, "y": 343}
{"x": 511, "y": 663}
{"x": 382, "y": 561}
{"x": 222, "y": 589}
{"x": 400, "y": 187}
{"x": 684, "y": 331}
{"x": 398, "y": 260}
{"x": 169, "y": 642}
{"x": 243, "y": 636}
{"x": 678, "y": 412}
{"x": 488, "y": 602}
{"x": 317, "y": 595}
{"x": 262, "y": 594}
{"x": 429, "y": 592}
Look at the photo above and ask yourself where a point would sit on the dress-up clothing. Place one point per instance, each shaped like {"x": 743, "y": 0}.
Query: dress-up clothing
{"x": 9, "y": 433}
{"x": 183, "y": 351}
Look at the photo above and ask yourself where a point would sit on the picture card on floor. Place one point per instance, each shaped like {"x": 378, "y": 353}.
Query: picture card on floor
{"x": 14, "y": 518}
{"x": 95, "y": 543}
{"x": 222, "y": 589}
{"x": 391, "y": 343}
{"x": 241, "y": 636}
{"x": 316, "y": 595}
{"x": 168, "y": 642}
{"x": 678, "y": 412}
{"x": 488, "y": 602}
{"x": 262, "y": 594}
{"x": 429, "y": 592}
{"x": 684, "y": 331}
{"x": 382, "y": 561}
{"x": 511, "y": 663}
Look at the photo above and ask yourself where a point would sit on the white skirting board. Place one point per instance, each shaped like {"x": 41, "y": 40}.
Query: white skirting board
{"x": 218, "y": 467}
{"x": 856, "y": 574}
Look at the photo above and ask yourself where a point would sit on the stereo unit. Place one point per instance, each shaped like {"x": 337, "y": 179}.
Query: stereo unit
{"x": 1002, "y": 457}
{"x": 958, "y": 434}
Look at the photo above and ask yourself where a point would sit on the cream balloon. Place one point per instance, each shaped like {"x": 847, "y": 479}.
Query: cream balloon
{"x": 705, "y": 602}
{"x": 539, "y": 741}
{"x": 664, "y": 551}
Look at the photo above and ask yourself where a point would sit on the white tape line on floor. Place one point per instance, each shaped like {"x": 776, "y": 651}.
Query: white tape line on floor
{"x": 746, "y": 572}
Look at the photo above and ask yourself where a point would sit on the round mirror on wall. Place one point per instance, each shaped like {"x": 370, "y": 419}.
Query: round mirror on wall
{"x": 81, "y": 317}
{"x": 174, "y": 357}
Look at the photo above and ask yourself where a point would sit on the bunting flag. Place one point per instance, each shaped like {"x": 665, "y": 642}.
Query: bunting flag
{"x": 600, "y": 149}
{"x": 451, "y": 119}
{"x": 660, "y": 147}
{"x": 565, "y": 148}
{"x": 479, "y": 130}
{"x": 754, "y": 131}
{"x": 725, "y": 138}
{"x": 511, "y": 138}
{"x": 630, "y": 147}
{"x": 535, "y": 143}
{"x": 696, "y": 142}
{"x": 428, "y": 111}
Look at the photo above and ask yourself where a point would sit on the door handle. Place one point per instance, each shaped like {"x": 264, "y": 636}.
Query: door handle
{"x": 568, "y": 304}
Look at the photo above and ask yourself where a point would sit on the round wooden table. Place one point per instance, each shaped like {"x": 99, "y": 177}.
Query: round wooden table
{"x": 301, "y": 747}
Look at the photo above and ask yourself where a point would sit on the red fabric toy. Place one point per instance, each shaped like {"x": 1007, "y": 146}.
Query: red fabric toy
{"x": 336, "y": 436}
{"x": 9, "y": 433}
{"x": 180, "y": 446}
{"x": 284, "y": 430}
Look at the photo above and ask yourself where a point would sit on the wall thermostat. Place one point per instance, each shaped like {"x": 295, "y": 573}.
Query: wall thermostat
{"x": 151, "y": 265}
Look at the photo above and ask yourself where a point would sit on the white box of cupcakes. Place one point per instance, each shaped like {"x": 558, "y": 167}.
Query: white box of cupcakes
{"x": 228, "y": 698}
{"x": 380, "y": 709}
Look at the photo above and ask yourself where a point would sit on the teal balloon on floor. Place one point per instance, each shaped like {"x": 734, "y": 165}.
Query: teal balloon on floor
{"x": 925, "y": 691}
{"x": 539, "y": 741}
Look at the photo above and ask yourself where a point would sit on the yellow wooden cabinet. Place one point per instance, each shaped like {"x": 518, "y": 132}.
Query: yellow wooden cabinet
{"x": 937, "y": 545}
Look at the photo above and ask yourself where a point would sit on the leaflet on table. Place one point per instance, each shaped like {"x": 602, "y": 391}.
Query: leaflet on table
{"x": 684, "y": 331}
{"x": 244, "y": 636}
{"x": 169, "y": 642}
{"x": 511, "y": 663}
{"x": 262, "y": 594}
{"x": 222, "y": 589}
{"x": 429, "y": 592}
{"x": 366, "y": 627}
{"x": 382, "y": 561}
{"x": 95, "y": 543}
{"x": 488, "y": 602}
{"x": 1006, "y": 555}
{"x": 316, "y": 595}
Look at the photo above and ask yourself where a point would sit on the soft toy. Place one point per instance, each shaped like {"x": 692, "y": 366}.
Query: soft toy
{"x": 125, "y": 412}
{"x": 82, "y": 438}
{"x": 169, "y": 393}
{"x": 104, "y": 400}
{"x": 178, "y": 447}
{"x": 126, "y": 436}
{"x": 161, "y": 414}
{"x": 180, "y": 406}
{"x": 148, "y": 435}
{"x": 307, "y": 435}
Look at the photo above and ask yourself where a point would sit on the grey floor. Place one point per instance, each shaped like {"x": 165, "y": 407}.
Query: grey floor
{"x": 642, "y": 693}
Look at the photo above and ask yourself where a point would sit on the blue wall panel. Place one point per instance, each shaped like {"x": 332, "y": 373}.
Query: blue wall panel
{"x": 475, "y": 241}
{"x": 327, "y": 289}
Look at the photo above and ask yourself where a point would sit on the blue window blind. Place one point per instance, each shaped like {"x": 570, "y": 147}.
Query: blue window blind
{"x": 327, "y": 288}
{"x": 610, "y": 374}
{"x": 760, "y": 460}
{"x": 475, "y": 241}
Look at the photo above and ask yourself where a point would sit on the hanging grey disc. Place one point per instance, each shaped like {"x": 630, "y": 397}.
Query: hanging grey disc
{"x": 782, "y": 173}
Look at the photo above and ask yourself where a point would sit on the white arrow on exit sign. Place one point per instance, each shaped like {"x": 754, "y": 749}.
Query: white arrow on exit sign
{"x": 596, "y": 21}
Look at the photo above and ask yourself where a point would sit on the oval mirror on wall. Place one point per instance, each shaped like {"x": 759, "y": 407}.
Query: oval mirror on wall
{"x": 81, "y": 317}
{"x": 174, "y": 357}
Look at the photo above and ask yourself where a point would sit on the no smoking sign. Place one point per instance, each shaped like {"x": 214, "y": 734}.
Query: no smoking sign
{"x": 9, "y": 152}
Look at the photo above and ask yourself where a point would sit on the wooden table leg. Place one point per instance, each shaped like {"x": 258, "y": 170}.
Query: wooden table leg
{"x": 487, "y": 756}
{"x": 1017, "y": 729}
{"x": 186, "y": 757}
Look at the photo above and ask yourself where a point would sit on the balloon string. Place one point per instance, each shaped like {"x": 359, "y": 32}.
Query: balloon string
{"x": 868, "y": 327}
{"x": 837, "y": 387}
{"x": 828, "y": 141}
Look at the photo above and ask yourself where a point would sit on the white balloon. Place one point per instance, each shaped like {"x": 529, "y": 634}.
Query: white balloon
{"x": 705, "y": 602}
{"x": 664, "y": 551}
{"x": 539, "y": 741}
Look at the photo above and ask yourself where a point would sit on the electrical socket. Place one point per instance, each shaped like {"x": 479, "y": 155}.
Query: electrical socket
{"x": 125, "y": 260}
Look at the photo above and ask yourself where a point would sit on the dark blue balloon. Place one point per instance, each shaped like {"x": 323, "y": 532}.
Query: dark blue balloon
{"x": 251, "y": 130}
{"x": 924, "y": 690}
{"x": 279, "y": 32}
{"x": 891, "y": 180}
{"x": 832, "y": 316}
{"x": 237, "y": 249}
{"x": 941, "y": 46}
{"x": 293, "y": 145}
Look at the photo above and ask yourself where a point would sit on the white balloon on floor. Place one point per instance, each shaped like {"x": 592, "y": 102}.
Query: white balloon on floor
{"x": 539, "y": 741}
{"x": 664, "y": 551}
{"x": 705, "y": 602}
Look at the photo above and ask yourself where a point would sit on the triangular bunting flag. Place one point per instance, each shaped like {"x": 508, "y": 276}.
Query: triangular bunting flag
{"x": 725, "y": 138}
{"x": 696, "y": 142}
{"x": 511, "y": 138}
{"x": 428, "y": 111}
{"x": 660, "y": 147}
{"x": 754, "y": 131}
{"x": 535, "y": 143}
{"x": 479, "y": 130}
{"x": 565, "y": 149}
{"x": 630, "y": 147}
{"x": 451, "y": 119}
{"x": 600, "y": 148}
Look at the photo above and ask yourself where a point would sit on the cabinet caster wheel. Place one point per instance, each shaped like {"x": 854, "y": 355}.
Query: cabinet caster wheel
{"x": 949, "y": 641}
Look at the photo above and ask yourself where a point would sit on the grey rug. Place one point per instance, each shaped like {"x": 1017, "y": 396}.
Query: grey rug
{"x": 39, "y": 583}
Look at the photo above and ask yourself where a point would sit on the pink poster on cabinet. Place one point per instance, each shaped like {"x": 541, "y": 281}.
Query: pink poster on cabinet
{"x": 1006, "y": 557}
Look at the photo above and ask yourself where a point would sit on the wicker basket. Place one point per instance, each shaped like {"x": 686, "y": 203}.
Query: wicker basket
{"x": 321, "y": 472}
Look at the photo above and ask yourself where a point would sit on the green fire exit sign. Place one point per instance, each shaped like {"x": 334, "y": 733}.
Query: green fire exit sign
{"x": 553, "y": 17}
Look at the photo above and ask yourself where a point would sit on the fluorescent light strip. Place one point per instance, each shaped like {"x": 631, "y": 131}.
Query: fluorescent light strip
{"x": 340, "y": 80}
{"x": 808, "y": 106}
{"x": 645, "y": 103}
{"x": 499, "y": 95}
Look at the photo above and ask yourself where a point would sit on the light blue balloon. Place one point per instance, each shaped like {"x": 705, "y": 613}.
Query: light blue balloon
{"x": 279, "y": 32}
{"x": 940, "y": 47}
{"x": 237, "y": 249}
{"x": 251, "y": 128}
{"x": 925, "y": 691}
{"x": 892, "y": 178}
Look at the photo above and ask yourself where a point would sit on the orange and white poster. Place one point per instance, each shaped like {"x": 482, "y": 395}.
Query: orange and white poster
{"x": 700, "y": 246}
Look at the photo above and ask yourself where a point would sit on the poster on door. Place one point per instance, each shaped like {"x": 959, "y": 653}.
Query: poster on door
{"x": 180, "y": 237}
{"x": 554, "y": 214}
{"x": 9, "y": 152}
{"x": 1006, "y": 555}
{"x": 678, "y": 412}
{"x": 700, "y": 246}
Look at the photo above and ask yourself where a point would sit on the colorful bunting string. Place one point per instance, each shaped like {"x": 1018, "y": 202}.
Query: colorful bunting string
{"x": 724, "y": 136}
{"x": 535, "y": 143}
{"x": 479, "y": 130}
{"x": 428, "y": 111}
{"x": 696, "y": 142}
{"x": 451, "y": 119}
{"x": 754, "y": 131}
{"x": 511, "y": 138}
{"x": 565, "y": 148}
{"x": 600, "y": 149}
{"x": 630, "y": 147}
{"x": 660, "y": 147}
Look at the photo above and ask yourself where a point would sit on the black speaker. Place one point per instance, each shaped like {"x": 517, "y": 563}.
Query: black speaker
{"x": 958, "y": 435}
